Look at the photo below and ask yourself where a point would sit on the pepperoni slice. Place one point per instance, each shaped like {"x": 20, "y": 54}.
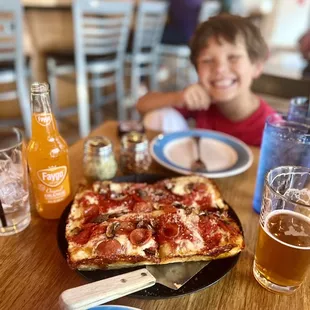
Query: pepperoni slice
{"x": 140, "y": 236}
{"x": 109, "y": 248}
{"x": 143, "y": 207}
{"x": 91, "y": 211}
{"x": 82, "y": 237}
{"x": 170, "y": 230}
{"x": 212, "y": 241}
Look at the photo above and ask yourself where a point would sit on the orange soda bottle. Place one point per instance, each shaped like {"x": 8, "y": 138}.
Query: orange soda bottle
{"x": 47, "y": 155}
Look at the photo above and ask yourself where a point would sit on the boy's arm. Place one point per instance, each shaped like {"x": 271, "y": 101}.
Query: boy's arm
{"x": 193, "y": 97}
{"x": 157, "y": 100}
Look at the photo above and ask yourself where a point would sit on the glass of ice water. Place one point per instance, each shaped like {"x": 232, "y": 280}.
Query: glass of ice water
{"x": 14, "y": 190}
{"x": 285, "y": 142}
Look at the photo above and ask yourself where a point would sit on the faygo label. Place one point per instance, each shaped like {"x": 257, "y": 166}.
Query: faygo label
{"x": 52, "y": 177}
{"x": 44, "y": 119}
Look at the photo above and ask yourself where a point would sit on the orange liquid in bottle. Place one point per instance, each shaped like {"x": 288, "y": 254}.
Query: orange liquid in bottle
{"x": 48, "y": 163}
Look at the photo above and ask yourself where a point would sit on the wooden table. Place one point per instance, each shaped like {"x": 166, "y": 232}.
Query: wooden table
{"x": 33, "y": 272}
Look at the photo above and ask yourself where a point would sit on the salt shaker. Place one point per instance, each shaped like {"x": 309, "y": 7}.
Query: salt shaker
{"x": 134, "y": 155}
{"x": 99, "y": 160}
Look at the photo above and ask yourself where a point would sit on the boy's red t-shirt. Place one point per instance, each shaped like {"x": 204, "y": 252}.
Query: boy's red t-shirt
{"x": 249, "y": 130}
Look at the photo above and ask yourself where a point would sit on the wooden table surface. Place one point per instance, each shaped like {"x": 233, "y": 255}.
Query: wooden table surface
{"x": 34, "y": 273}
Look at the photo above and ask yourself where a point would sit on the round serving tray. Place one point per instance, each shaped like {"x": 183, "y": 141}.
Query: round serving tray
{"x": 208, "y": 276}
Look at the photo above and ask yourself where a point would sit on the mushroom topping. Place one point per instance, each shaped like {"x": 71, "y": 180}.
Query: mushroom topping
{"x": 146, "y": 225}
{"x": 153, "y": 223}
{"x": 75, "y": 231}
{"x": 150, "y": 251}
{"x": 111, "y": 229}
{"x": 141, "y": 193}
{"x": 179, "y": 205}
{"x": 117, "y": 196}
{"x": 189, "y": 187}
{"x": 100, "y": 218}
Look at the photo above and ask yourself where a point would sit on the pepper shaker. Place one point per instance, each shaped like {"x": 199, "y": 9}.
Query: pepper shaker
{"x": 134, "y": 155}
{"x": 99, "y": 160}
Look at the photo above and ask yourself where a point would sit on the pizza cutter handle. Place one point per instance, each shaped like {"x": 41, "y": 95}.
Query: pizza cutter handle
{"x": 99, "y": 292}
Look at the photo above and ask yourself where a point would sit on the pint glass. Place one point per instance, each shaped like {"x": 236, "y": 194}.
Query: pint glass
{"x": 282, "y": 255}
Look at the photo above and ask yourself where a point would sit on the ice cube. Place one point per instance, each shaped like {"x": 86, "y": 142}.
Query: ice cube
{"x": 12, "y": 192}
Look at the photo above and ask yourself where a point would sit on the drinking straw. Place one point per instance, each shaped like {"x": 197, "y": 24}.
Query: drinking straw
{"x": 2, "y": 216}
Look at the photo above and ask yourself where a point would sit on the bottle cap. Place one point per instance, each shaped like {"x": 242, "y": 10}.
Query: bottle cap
{"x": 135, "y": 141}
{"x": 39, "y": 88}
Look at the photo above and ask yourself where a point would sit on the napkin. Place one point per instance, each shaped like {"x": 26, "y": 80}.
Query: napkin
{"x": 166, "y": 120}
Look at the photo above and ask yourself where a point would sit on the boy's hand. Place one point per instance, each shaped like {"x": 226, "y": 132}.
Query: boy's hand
{"x": 196, "y": 98}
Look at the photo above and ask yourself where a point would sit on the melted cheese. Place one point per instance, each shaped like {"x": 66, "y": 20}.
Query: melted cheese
{"x": 118, "y": 209}
{"x": 116, "y": 188}
{"x": 179, "y": 187}
{"x": 91, "y": 200}
{"x": 76, "y": 212}
{"x": 131, "y": 249}
{"x": 191, "y": 222}
{"x": 79, "y": 255}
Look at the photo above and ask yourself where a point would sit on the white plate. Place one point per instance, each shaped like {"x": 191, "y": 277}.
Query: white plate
{"x": 222, "y": 154}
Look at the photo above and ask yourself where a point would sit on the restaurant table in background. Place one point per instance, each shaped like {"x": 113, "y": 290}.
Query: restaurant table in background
{"x": 34, "y": 273}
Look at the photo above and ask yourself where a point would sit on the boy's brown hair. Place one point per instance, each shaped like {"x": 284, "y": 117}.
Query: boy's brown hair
{"x": 230, "y": 28}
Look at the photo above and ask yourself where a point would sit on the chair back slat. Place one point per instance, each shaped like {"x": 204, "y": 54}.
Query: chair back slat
{"x": 95, "y": 32}
{"x": 99, "y": 21}
{"x": 11, "y": 39}
{"x": 102, "y": 27}
{"x": 97, "y": 41}
{"x": 149, "y": 25}
{"x": 100, "y": 50}
{"x": 7, "y": 36}
{"x": 6, "y": 57}
{"x": 11, "y": 50}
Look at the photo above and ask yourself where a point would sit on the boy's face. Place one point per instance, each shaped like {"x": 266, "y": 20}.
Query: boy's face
{"x": 225, "y": 69}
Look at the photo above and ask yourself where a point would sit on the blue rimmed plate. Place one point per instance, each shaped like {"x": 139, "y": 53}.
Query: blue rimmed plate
{"x": 222, "y": 154}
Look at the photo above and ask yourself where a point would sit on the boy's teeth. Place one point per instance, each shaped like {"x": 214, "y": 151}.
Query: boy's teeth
{"x": 223, "y": 83}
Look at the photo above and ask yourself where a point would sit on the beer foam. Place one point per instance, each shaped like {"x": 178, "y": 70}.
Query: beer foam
{"x": 298, "y": 195}
{"x": 291, "y": 231}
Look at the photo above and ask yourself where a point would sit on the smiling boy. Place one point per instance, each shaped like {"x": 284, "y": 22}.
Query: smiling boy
{"x": 228, "y": 53}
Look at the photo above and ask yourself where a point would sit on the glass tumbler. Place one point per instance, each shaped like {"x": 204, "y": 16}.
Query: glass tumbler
{"x": 282, "y": 256}
{"x": 284, "y": 143}
{"x": 14, "y": 191}
{"x": 299, "y": 110}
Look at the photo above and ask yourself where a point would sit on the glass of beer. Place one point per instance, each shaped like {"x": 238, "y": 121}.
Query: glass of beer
{"x": 282, "y": 255}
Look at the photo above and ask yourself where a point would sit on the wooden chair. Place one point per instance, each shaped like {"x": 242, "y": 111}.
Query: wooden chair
{"x": 101, "y": 30}
{"x": 12, "y": 61}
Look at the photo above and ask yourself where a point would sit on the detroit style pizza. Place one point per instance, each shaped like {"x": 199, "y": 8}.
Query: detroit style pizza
{"x": 116, "y": 225}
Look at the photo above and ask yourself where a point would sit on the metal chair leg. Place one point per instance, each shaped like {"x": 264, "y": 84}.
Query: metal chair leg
{"x": 52, "y": 80}
{"x": 23, "y": 98}
{"x": 120, "y": 93}
{"x": 97, "y": 101}
{"x": 153, "y": 75}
